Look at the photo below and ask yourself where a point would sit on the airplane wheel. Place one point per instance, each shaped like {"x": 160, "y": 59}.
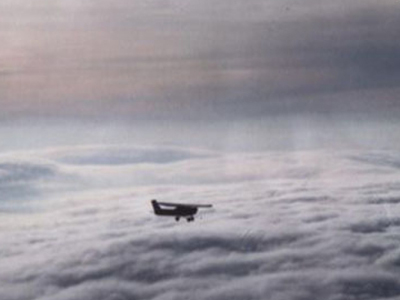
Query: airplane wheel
{"x": 177, "y": 219}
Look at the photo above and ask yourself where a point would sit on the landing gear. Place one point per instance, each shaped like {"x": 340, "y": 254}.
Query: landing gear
{"x": 189, "y": 218}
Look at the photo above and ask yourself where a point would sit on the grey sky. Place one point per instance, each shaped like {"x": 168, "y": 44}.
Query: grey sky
{"x": 198, "y": 59}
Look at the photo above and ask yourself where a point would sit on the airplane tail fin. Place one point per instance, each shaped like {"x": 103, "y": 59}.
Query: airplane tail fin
{"x": 156, "y": 207}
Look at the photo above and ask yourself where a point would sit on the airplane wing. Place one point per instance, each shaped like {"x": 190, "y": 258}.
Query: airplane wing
{"x": 184, "y": 204}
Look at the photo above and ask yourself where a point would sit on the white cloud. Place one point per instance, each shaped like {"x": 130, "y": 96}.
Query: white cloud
{"x": 284, "y": 226}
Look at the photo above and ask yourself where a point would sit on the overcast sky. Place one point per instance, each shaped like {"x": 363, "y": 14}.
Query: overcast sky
{"x": 201, "y": 61}
{"x": 186, "y": 59}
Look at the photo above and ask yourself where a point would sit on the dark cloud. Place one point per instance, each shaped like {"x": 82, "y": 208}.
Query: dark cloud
{"x": 379, "y": 159}
{"x": 125, "y": 155}
{"x": 200, "y": 60}
{"x": 371, "y": 226}
{"x": 27, "y": 179}
{"x": 20, "y": 180}
{"x": 323, "y": 63}
{"x": 15, "y": 172}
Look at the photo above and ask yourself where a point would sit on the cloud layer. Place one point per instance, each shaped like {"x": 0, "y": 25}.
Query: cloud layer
{"x": 293, "y": 225}
{"x": 198, "y": 59}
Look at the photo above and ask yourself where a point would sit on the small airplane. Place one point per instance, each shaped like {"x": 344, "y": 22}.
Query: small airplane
{"x": 178, "y": 210}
